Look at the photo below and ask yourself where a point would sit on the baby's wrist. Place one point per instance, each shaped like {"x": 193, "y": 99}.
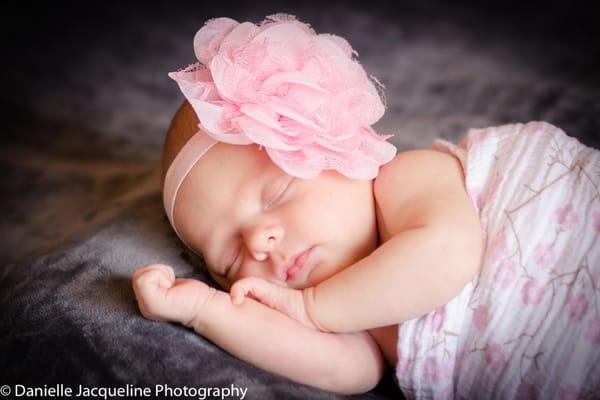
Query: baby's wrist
{"x": 200, "y": 312}
{"x": 308, "y": 295}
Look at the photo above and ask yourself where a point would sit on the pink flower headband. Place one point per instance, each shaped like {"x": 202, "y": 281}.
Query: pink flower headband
{"x": 300, "y": 95}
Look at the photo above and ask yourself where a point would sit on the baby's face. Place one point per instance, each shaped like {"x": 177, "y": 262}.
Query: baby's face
{"x": 248, "y": 218}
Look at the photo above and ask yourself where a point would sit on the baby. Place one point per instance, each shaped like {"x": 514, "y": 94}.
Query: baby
{"x": 474, "y": 269}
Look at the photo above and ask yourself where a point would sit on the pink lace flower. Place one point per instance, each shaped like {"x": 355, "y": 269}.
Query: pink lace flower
{"x": 302, "y": 96}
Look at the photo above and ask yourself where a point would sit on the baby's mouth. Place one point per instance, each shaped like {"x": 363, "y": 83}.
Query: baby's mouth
{"x": 298, "y": 265}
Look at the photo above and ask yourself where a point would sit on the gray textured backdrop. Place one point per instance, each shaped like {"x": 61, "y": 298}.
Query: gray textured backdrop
{"x": 86, "y": 102}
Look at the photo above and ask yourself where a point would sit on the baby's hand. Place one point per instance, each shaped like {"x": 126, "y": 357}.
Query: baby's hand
{"x": 287, "y": 301}
{"x": 161, "y": 297}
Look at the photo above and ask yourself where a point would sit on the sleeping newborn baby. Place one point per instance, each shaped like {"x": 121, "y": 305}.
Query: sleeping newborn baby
{"x": 473, "y": 269}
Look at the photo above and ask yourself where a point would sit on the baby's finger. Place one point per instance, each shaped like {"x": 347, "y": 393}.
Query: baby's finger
{"x": 238, "y": 292}
{"x": 170, "y": 273}
{"x": 240, "y": 289}
{"x": 259, "y": 289}
{"x": 149, "y": 267}
{"x": 155, "y": 278}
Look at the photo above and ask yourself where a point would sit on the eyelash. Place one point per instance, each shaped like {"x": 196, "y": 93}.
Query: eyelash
{"x": 279, "y": 194}
{"x": 229, "y": 268}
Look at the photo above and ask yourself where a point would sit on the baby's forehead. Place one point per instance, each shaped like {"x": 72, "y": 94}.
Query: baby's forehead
{"x": 225, "y": 168}
{"x": 233, "y": 158}
{"x": 228, "y": 161}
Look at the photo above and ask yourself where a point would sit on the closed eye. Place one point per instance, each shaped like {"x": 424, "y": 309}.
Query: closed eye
{"x": 232, "y": 263}
{"x": 276, "y": 191}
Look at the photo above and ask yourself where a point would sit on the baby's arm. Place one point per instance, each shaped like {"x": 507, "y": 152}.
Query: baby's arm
{"x": 343, "y": 363}
{"x": 432, "y": 249}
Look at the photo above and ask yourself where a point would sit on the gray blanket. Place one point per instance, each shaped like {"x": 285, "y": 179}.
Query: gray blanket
{"x": 87, "y": 102}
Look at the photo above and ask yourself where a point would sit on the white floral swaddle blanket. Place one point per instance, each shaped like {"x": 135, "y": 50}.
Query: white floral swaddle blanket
{"x": 528, "y": 326}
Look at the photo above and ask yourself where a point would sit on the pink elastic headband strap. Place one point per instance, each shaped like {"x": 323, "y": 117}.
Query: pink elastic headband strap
{"x": 187, "y": 157}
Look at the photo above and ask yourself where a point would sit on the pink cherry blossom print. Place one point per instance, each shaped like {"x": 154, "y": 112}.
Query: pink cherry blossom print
{"x": 596, "y": 221}
{"x": 480, "y": 317}
{"x": 577, "y": 305}
{"x": 430, "y": 369}
{"x": 544, "y": 255}
{"x": 497, "y": 247}
{"x": 592, "y": 332}
{"x": 568, "y": 392}
{"x": 566, "y": 217}
{"x": 435, "y": 319}
{"x": 532, "y": 293}
{"x": 494, "y": 356}
{"x": 506, "y": 273}
{"x": 526, "y": 391}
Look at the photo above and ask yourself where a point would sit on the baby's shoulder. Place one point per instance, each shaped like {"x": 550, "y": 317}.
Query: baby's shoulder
{"x": 415, "y": 186}
{"x": 413, "y": 171}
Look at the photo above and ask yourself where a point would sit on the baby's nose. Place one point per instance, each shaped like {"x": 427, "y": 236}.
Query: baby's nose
{"x": 262, "y": 240}
{"x": 269, "y": 268}
{"x": 262, "y": 255}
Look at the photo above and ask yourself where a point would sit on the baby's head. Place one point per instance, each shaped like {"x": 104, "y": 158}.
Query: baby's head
{"x": 283, "y": 186}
